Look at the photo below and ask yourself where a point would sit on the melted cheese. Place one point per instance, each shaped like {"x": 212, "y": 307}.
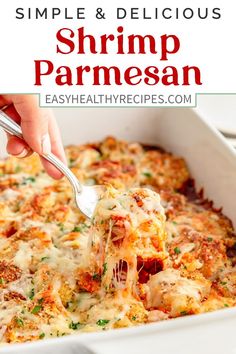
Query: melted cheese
{"x": 61, "y": 274}
{"x": 127, "y": 218}
{"x": 169, "y": 289}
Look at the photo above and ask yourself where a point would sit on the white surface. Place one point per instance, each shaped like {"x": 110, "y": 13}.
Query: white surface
{"x": 220, "y": 110}
{"x": 212, "y": 162}
{"x": 208, "y": 44}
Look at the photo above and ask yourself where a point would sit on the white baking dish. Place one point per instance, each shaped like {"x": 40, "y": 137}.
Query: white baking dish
{"x": 212, "y": 162}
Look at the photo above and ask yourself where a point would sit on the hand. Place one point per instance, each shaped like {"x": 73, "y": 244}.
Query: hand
{"x": 39, "y": 129}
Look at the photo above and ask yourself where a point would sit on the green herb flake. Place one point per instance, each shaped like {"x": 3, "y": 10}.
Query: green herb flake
{"x": 36, "y": 309}
{"x": 104, "y": 268}
{"x": 174, "y": 223}
{"x": 183, "y": 313}
{"x": 42, "y": 335}
{"x": 40, "y": 301}
{"x": 226, "y": 305}
{"x": 147, "y": 174}
{"x": 29, "y": 180}
{"x": 31, "y": 294}
{"x": 71, "y": 161}
{"x": 209, "y": 239}
{"x": 1, "y": 281}
{"x": 96, "y": 276}
{"x": 102, "y": 323}
{"x": 223, "y": 282}
{"x": 19, "y": 322}
{"x": 61, "y": 226}
{"x": 177, "y": 250}
{"x": 76, "y": 229}
{"x": 74, "y": 325}
{"x": 44, "y": 258}
{"x": 134, "y": 318}
{"x": 17, "y": 169}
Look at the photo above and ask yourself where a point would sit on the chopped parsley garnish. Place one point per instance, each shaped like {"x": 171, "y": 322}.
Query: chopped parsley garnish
{"x": 36, "y": 309}
{"x": 29, "y": 179}
{"x": 74, "y": 325}
{"x": 177, "y": 250}
{"x": 147, "y": 174}
{"x": 71, "y": 161}
{"x": 1, "y": 281}
{"x": 80, "y": 228}
{"x": 134, "y": 318}
{"x": 226, "y": 305}
{"x": 19, "y": 322}
{"x": 96, "y": 276}
{"x": 223, "y": 282}
{"x": 76, "y": 229}
{"x": 42, "y": 335}
{"x": 174, "y": 223}
{"x": 183, "y": 313}
{"x": 31, "y": 294}
{"x": 104, "y": 268}
{"x": 17, "y": 169}
{"x": 102, "y": 322}
{"x": 44, "y": 258}
{"x": 209, "y": 239}
{"x": 61, "y": 226}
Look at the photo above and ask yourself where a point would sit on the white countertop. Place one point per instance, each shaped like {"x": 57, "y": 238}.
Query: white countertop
{"x": 220, "y": 110}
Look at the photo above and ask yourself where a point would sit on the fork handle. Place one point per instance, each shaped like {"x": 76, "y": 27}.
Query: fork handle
{"x": 11, "y": 127}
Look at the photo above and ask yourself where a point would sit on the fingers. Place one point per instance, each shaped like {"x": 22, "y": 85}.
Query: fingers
{"x": 39, "y": 128}
{"x": 11, "y": 112}
{"x": 57, "y": 149}
{"x": 17, "y": 147}
{"x": 34, "y": 123}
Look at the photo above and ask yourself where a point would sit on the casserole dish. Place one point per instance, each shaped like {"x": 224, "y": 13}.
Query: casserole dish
{"x": 212, "y": 163}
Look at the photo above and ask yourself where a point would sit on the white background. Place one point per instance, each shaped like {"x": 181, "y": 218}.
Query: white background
{"x": 209, "y": 44}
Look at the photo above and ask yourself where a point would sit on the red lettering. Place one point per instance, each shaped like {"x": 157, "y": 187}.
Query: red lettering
{"x": 104, "y": 40}
{"x": 197, "y": 75}
{"x": 81, "y": 38}
{"x": 141, "y": 44}
{"x": 64, "y": 78}
{"x": 128, "y": 76}
{"x": 106, "y": 75}
{"x": 171, "y": 78}
{"x": 165, "y": 46}
{"x": 48, "y": 69}
{"x": 80, "y": 70}
{"x": 151, "y": 75}
{"x": 63, "y": 39}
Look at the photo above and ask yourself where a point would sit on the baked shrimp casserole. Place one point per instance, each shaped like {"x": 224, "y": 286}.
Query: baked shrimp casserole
{"x": 154, "y": 250}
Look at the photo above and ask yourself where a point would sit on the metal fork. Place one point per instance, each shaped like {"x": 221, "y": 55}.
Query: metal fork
{"x": 86, "y": 197}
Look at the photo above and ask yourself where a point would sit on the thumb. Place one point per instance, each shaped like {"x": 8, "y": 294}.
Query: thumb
{"x": 34, "y": 123}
